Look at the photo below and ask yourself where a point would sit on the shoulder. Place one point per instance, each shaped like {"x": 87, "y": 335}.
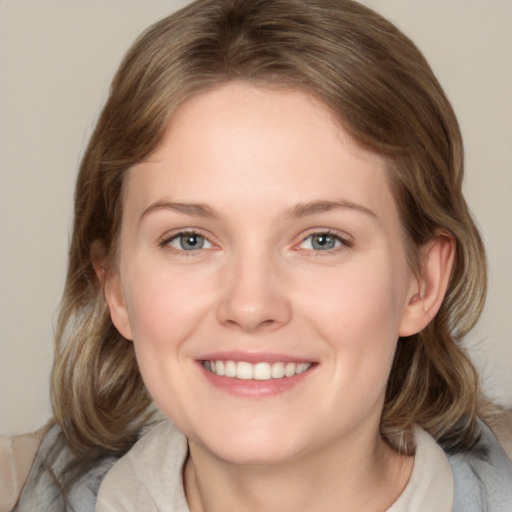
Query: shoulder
{"x": 500, "y": 422}
{"x": 43, "y": 490}
{"x": 482, "y": 476}
{"x": 149, "y": 476}
{"x": 17, "y": 453}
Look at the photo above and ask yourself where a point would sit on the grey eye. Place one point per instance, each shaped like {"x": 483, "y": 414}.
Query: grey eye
{"x": 189, "y": 242}
{"x": 321, "y": 242}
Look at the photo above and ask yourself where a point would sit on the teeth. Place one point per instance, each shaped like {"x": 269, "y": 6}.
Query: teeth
{"x": 277, "y": 370}
{"x": 289, "y": 369}
{"x": 260, "y": 371}
{"x": 230, "y": 369}
{"x": 244, "y": 371}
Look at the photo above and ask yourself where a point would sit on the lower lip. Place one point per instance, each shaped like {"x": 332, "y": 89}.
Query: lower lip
{"x": 254, "y": 388}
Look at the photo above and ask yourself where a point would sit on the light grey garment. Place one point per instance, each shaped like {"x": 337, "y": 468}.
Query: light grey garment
{"x": 149, "y": 476}
{"x": 42, "y": 492}
{"x": 482, "y": 477}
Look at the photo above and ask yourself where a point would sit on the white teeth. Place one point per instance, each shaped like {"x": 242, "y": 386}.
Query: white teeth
{"x": 289, "y": 369}
{"x": 230, "y": 369}
{"x": 301, "y": 368}
{"x": 278, "y": 370}
{"x": 260, "y": 371}
{"x": 244, "y": 371}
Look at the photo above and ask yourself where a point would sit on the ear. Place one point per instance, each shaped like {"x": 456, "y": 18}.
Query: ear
{"x": 112, "y": 289}
{"x": 427, "y": 291}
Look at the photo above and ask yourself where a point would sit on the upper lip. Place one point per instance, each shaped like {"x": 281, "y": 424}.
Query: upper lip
{"x": 254, "y": 357}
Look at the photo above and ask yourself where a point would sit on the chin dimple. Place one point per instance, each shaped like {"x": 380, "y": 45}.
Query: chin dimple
{"x": 259, "y": 371}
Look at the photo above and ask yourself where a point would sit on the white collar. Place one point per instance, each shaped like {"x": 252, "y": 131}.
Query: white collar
{"x": 430, "y": 487}
{"x": 149, "y": 476}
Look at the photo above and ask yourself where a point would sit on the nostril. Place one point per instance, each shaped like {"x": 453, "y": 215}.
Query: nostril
{"x": 251, "y": 325}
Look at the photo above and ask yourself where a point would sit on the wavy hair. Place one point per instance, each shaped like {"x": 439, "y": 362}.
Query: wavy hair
{"x": 381, "y": 89}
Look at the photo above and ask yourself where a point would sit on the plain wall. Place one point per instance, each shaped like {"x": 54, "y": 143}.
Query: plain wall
{"x": 56, "y": 61}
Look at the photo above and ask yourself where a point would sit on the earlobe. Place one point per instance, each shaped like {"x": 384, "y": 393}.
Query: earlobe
{"x": 112, "y": 289}
{"x": 429, "y": 288}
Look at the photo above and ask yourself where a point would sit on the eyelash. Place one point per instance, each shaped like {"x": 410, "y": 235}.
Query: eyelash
{"x": 343, "y": 241}
{"x": 167, "y": 239}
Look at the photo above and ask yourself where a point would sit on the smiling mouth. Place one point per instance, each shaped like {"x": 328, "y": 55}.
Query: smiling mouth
{"x": 259, "y": 371}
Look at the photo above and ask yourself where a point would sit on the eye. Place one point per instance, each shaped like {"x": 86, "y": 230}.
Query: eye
{"x": 188, "y": 242}
{"x": 325, "y": 241}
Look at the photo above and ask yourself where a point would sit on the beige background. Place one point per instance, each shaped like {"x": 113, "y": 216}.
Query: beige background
{"x": 56, "y": 60}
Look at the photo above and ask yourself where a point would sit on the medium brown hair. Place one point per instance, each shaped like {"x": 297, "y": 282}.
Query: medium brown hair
{"x": 383, "y": 92}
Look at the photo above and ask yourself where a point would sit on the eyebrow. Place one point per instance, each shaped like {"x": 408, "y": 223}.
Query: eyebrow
{"x": 313, "y": 207}
{"x": 298, "y": 211}
{"x": 193, "y": 209}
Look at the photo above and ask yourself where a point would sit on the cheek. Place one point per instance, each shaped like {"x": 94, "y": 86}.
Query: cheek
{"x": 358, "y": 316}
{"x": 162, "y": 304}
{"x": 357, "y": 302}
{"x": 163, "y": 316}
{"x": 163, "y": 312}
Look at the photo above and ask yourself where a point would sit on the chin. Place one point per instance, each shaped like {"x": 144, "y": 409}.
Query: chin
{"x": 252, "y": 447}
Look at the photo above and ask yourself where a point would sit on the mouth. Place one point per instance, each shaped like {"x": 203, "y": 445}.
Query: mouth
{"x": 262, "y": 371}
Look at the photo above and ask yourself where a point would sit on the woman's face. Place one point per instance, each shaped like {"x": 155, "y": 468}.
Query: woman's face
{"x": 262, "y": 276}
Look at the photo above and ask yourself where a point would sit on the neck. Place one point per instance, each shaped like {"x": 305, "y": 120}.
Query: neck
{"x": 343, "y": 476}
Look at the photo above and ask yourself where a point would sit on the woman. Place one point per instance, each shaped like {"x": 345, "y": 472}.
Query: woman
{"x": 271, "y": 239}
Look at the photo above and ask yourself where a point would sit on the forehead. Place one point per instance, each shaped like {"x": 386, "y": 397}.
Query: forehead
{"x": 242, "y": 140}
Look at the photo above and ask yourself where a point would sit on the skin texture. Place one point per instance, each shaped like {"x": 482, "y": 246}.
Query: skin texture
{"x": 269, "y": 169}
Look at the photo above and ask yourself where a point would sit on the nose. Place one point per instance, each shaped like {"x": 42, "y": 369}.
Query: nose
{"x": 254, "y": 295}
